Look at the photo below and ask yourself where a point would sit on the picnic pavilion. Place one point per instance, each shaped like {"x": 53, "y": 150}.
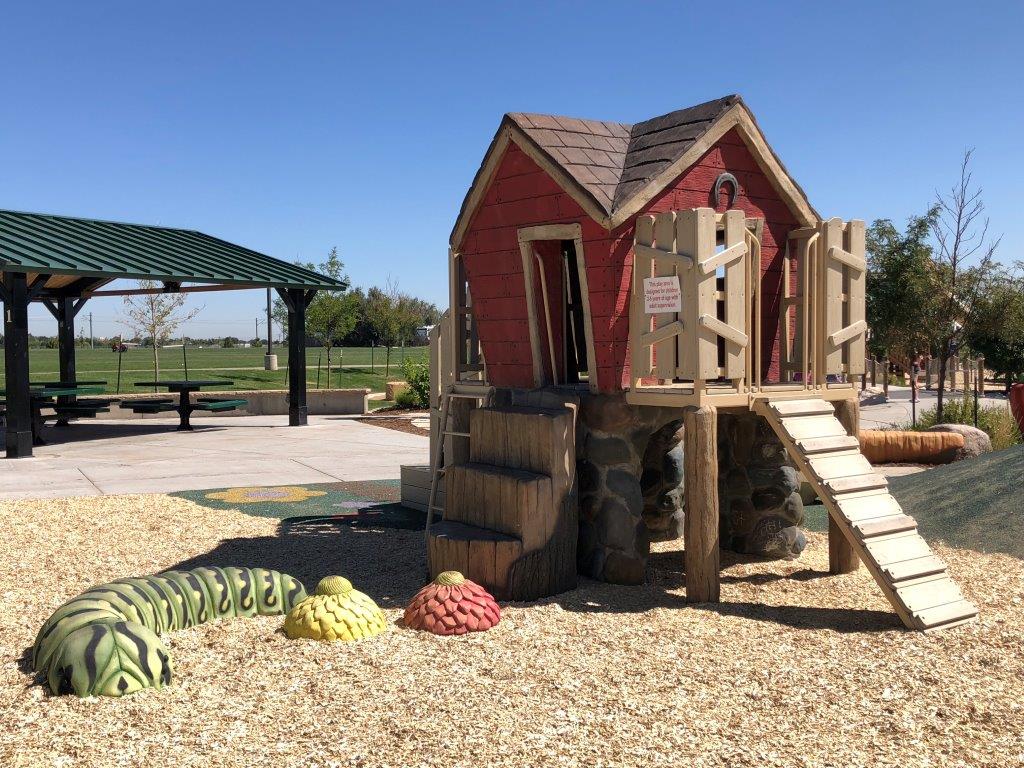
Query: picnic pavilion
{"x": 62, "y": 262}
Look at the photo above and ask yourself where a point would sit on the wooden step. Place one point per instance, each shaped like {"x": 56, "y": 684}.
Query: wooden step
{"x": 930, "y": 593}
{"x": 884, "y": 525}
{"x": 856, "y": 483}
{"x": 829, "y": 466}
{"x": 867, "y": 507}
{"x": 481, "y": 555}
{"x": 929, "y": 565}
{"x": 813, "y": 407}
{"x": 804, "y": 427}
{"x": 896, "y": 549}
{"x": 945, "y": 616}
{"x": 827, "y": 444}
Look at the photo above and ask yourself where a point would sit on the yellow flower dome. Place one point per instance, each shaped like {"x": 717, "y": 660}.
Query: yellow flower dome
{"x": 335, "y": 611}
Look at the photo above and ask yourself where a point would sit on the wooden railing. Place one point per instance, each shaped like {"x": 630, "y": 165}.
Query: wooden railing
{"x": 696, "y": 309}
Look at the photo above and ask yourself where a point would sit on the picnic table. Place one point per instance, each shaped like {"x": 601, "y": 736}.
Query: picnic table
{"x": 42, "y": 394}
{"x": 185, "y": 405}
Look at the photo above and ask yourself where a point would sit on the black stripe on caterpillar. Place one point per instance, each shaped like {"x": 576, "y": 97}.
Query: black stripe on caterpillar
{"x": 105, "y": 642}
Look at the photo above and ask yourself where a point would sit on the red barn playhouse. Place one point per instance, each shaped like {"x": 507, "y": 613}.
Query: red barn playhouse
{"x": 652, "y": 334}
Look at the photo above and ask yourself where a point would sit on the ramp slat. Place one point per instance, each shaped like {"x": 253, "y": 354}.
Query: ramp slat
{"x": 909, "y": 574}
{"x": 914, "y": 569}
{"x": 856, "y": 483}
{"x": 867, "y": 507}
{"x": 885, "y": 525}
{"x": 944, "y": 615}
{"x": 800, "y": 427}
{"x": 803, "y": 408}
{"x": 825, "y": 444}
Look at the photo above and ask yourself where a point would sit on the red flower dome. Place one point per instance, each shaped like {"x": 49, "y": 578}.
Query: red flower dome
{"x": 452, "y": 605}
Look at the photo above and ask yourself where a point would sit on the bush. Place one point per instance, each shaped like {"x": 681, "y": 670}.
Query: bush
{"x": 997, "y": 423}
{"x": 418, "y": 377}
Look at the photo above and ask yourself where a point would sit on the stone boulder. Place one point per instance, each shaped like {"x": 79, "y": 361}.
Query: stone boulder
{"x": 976, "y": 441}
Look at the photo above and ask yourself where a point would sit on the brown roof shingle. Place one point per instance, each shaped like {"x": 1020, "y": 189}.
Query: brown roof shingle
{"x": 613, "y": 161}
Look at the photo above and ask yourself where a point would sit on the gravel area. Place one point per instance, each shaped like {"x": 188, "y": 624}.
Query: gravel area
{"x": 793, "y": 668}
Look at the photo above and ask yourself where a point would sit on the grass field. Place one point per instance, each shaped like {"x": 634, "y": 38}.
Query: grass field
{"x": 243, "y": 366}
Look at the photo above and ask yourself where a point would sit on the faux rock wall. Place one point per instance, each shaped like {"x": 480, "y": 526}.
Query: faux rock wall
{"x": 629, "y": 465}
{"x": 760, "y": 509}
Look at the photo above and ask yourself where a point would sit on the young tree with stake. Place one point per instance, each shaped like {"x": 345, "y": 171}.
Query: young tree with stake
{"x": 156, "y": 316}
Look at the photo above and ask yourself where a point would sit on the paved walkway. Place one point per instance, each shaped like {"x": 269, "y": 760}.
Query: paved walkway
{"x": 150, "y": 456}
{"x": 898, "y": 409}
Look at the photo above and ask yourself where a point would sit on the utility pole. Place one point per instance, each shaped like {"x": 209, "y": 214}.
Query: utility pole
{"x": 270, "y": 359}
{"x": 92, "y": 337}
{"x": 270, "y": 326}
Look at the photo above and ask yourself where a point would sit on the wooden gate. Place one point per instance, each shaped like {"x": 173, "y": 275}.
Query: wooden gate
{"x": 686, "y": 265}
{"x": 841, "y": 284}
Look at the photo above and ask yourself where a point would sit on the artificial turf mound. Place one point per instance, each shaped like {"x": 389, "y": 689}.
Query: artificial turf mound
{"x": 972, "y": 504}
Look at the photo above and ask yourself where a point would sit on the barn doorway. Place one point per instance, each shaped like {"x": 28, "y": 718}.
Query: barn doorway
{"x": 559, "y": 318}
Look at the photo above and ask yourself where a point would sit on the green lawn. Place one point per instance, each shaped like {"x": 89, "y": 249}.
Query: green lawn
{"x": 243, "y": 366}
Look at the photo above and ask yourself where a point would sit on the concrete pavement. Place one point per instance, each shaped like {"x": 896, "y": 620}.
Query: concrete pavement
{"x": 91, "y": 458}
{"x": 898, "y": 409}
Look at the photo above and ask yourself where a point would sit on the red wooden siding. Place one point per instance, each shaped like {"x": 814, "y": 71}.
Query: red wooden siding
{"x": 521, "y": 194}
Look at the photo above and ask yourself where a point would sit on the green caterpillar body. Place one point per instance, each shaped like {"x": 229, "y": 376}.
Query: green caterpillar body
{"x": 105, "y": 642}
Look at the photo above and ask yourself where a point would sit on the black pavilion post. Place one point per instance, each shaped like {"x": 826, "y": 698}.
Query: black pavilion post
{"x": 296, "y": 301}
{"x": 66, "y": 312}
{"x": 19, "y": 406}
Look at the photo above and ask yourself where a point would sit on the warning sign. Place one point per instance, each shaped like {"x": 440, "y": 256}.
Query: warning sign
{"x": 662, "y": 294}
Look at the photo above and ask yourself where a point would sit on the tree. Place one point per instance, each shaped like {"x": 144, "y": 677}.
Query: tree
{"x": 998, "y": 334}
{"x": 902, "y": 306}
{"x": 964, "y": 266}
{"x": 332, "y": 314}
{"x": 156, "y": 316}
{"x": 391, "y": 318}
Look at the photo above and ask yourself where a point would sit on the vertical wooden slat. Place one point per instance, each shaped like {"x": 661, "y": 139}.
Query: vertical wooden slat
{"x": 735, "y": 294}
{"x": 639, "y": 321}
{"x": 665, "y": 351}
{"x": 855, "y": 298}
{"x": 832, "y": 277}
{"x": 698, "y": 347}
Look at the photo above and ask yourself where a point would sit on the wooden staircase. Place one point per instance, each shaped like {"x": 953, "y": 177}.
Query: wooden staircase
{"x": 510, "y": 511}
{"x": 858, "y": 500}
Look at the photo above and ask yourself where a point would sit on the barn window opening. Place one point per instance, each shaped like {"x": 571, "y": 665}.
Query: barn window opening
{"x": 575, "y": 340}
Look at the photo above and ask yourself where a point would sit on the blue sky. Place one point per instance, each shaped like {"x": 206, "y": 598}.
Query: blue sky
{"x": 294, "y": 127}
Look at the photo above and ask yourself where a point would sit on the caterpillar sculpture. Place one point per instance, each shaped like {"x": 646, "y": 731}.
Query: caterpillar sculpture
{"x": 105, "y": 642}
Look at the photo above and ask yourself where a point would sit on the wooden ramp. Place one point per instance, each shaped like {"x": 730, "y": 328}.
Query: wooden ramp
{"x": 857, "y": 498}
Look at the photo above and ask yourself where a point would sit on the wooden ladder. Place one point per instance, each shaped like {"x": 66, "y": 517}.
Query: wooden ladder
{"x": 437, "y": 469}
{"x": 912, "y": 578}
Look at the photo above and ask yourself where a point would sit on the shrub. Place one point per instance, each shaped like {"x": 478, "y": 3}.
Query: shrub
{"x": 997, "y": 423}
{"x": 418, "y": 377}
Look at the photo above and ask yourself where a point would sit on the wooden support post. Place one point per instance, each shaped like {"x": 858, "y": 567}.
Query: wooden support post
{"x": 885, "y": 379}
{"x": 841, "y": 556}
{"x": 928, "y": 373}
{"x": 19, "y": 405}
{"x": 66, "y": 346}
{"x": 874, "y": 371}
{"x": 297, "y": 410}
{"x": 700, "y": 531}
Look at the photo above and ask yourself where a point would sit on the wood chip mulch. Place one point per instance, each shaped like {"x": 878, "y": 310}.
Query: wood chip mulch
{"x": 793, "y": 668}
{"x": 398, "y": 423}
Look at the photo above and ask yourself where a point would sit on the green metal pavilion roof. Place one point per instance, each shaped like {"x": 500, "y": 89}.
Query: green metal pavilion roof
{"x": 63, "y": 245}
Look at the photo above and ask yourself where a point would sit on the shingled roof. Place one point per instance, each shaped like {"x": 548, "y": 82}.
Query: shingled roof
{"x": 614, "y": 160}
{"x": 613, "y": 169}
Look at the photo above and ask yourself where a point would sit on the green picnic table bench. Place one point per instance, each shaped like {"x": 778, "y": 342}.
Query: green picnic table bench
{"x": 185, "y": 406}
